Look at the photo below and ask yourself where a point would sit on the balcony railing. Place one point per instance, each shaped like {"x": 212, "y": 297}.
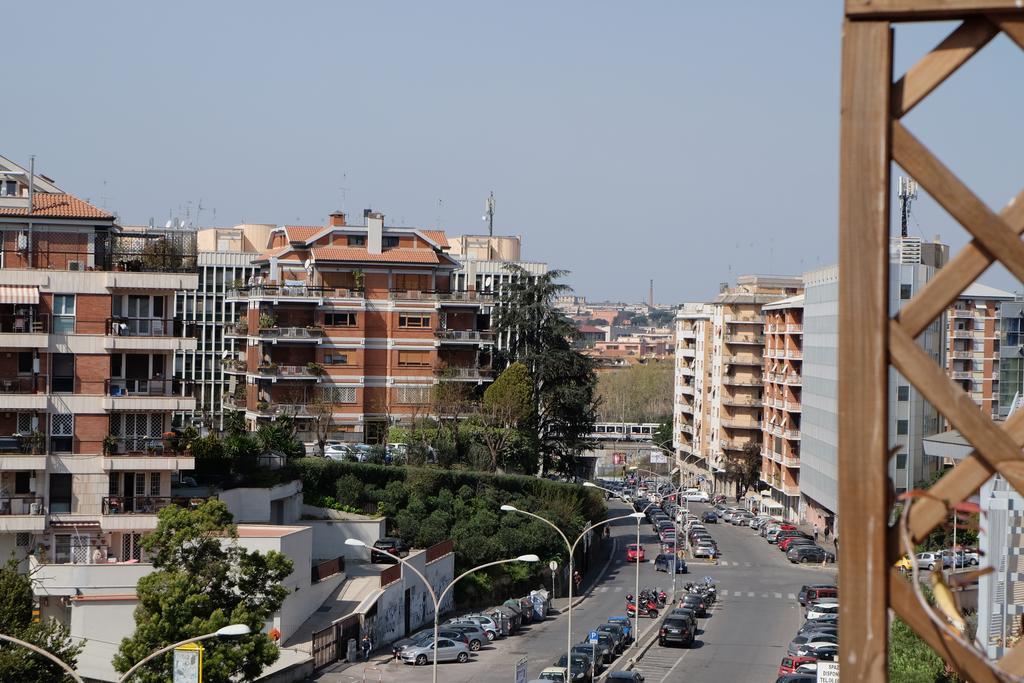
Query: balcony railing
{"x": 172, "y": 251}
{"x": 967, "y": 355}
{"x": 290, "y": 291}
{"x": 731, "y": 445}
{"x": 730, "y": 423}
{"x": 685, "y": 428}
{"x": 234, "y": 365}
{"x": 149, "y": 327}
{"x": 794, "y": 328}
{"x": 465, "y": 335}
{"x": 963, "y": 313}
{"x": 962, "y": 334}
{"x": 36, "y": 323}
{"x": 23, "y": 385}
{"x": 793, "y": 406}
{"x": 281, "y": 409}
{"x": 146, "y": 387}
{"x": 139, "y": 445}
{"x": 234, "y": 402}
{"x": 961, "y": 374}
{"x": 794, "y": 379}
{"x": 744, "y": 319}
{"x": 794, "y": 354}
{"x": 299, "y": 371}
{"x": 483, "y": 297}
{"x": 791, "y": 434}
{"x": 686, "y": 389}
{"x": 744, "y": 339}
{"x": 742, "y": 360}
{"x": 741, "y": 381}
{"x": 21, "y": 505}
{"x": 136, "y": 505}
{"x": 462, "y": 373}
{"x": 307, "y": 332}
{"x": 748, "y": 401}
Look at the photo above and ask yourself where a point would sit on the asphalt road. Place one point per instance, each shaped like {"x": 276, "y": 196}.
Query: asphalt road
{"x": 754, "y": 619}
{"x": 742, "y": 640}
{"x": 542, "y": 643}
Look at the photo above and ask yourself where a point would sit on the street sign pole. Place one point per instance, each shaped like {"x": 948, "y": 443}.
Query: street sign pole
{"x": 594, "y": 638}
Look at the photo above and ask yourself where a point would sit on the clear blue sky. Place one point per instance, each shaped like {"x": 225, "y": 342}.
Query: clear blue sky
{"x": 682, "y": 141}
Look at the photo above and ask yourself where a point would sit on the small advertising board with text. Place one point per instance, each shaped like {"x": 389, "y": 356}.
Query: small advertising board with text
{"x": 828, "y": 672}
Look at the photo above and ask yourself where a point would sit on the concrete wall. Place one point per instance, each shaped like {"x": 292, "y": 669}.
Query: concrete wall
{"x": 329, "y": 537}
{"x": 94, "y": 579}
{"x": 254, "y": 506}
{"x": 388, "y": 621}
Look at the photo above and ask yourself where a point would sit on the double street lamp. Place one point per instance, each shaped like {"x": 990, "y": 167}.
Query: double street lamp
{"x": 437, "y": 600}
{"x": 572, "y": 551}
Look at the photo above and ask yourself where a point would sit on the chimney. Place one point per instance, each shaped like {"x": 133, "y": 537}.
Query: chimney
{"x": 336, "y": 220}
{"x": 374, "y": 231}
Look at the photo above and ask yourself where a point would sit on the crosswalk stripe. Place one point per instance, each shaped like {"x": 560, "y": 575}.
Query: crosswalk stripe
{"x": 750, "y": 594}
{"x": 778, "y": 596}
{"x": 746, "y": 564}
{"x": 602, "y": 589}
{"x": 792, "y": 596}
{"x": 725, "y": 593}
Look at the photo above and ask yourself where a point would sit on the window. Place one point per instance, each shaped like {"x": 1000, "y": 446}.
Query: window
{"x": 412, "y": 282}
{"x": 25, "y": 364}
{"x": 22, "y": 483}
{"x": 338, "y": 394}
{"x": 390, "y": 242}
{"x": 27, "y": 423}
{"x": 414, "y": 358}
{"x": 335, "y": 359}
{"x": 356, "y": 241}
{"x": 154, "y": 483}
{"x": 113, "y": 484}
{"x": 412, "y": 395}
{"x": 23, "y": 539}
{"x": 60, "y": 492}
{"x": 62, "y": 432}
{"x": 902, "y": 426}
{"x": 63, "y": 313}
{"x": 414, "y": 321}
{"x": 901, "y": 461}
{"x": 339, "y": 319}
{"x": 8, "y": 188}
{"x": 903, "y": 393}
{"x": 61, "y": 547}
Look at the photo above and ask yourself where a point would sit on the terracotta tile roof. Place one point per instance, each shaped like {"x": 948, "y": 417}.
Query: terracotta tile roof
{"x": 301, "y": 233}
{"x": 49, "y": 205}
{"x": 389, "y": 256}
{"x": 437, "y": 236}
{"x": 285, "y": 253}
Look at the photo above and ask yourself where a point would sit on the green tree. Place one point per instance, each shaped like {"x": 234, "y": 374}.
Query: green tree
{"x": 541, "y": 337}
{"x": 663, "y": 436}
{"x": 203, "y": 581}
{"x": 640, "y": 393}
{"x": 910, "y": 658}
{"x": 16, "y": 662}
{"x": 507, "y": 403}
{"x": 744, "y": 467}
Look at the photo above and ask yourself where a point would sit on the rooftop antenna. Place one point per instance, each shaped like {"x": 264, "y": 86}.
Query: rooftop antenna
{"x": 907, "y": 192}
{"x": 489, "y": 214}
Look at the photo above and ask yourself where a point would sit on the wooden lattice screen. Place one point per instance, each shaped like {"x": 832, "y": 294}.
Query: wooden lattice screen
{"x": 869, "y": 340}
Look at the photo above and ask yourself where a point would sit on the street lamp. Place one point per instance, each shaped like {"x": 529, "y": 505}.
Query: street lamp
{"x": 231, "y": 631}
{"x": 430, "y": 589}
{"x": 49, "y": 655}
{"x": 572, "y": 551}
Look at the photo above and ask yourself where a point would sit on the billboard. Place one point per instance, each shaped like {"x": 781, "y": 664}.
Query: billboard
{"x": 658, "y": 458}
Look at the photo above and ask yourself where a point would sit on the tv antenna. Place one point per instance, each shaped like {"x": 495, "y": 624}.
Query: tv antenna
{"x": 907, "y": 192}
{"x": 489, "y": 214}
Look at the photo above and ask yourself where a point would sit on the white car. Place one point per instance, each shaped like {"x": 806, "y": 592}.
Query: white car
{"x": 704, "y": 551}
{"x": 818, "y": 609}
{"x": 697, "y": 496}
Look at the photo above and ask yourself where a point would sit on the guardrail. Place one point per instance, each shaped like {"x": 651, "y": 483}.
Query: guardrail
{"x": 135, "y": 505}
{"x": 286, "y": 291}
{"x": 36, "y": 323}
{"x": 138, "y": 445}
{"x": 21, "y": 505}
{"x": 149, "y": 327}
{"x": 439, "y": 550}
{"x": 326, "y": 569}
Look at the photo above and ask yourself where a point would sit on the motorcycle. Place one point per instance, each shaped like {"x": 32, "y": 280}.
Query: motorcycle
{"x": 662, "y": 598}
{"x": 647, "y": 609}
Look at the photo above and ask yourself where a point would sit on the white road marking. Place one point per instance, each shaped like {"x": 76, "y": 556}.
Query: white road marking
{"x": 792, "y": 596}
{"x": 746, "y": 564}
{"x": 778, "y": 596}
{"x": 602, "y": 589}
{"x": 750, "y": 594}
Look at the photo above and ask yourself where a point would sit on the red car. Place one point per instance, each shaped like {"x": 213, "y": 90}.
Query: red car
{"x": 785, "y": 543}
{"x": 634, "y": 553}
{"x": 789, "y": 664}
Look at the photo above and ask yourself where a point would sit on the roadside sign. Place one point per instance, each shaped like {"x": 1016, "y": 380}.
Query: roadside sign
{"x": 828, "y": 672}
{"x": 188, "y": 664}
{"x": 593, "y": 638}
{"x": 552, "y": 565}
{"x": 521, "y": 671}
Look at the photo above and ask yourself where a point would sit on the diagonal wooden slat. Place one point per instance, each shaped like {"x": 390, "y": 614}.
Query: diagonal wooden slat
{"x": 967, "y": 663}
{"x": 939, "y": 64}
{"x": 993, "y": 444}
{"x": 1013, "y": 27}
{"x": 921, "y": 10}
{"x": 943, "y": 289}
{"x": 1013, "y": 661}
{"x": 962, "y": 204}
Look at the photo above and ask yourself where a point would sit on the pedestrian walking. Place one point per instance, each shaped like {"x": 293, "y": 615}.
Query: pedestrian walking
{"x": 366, "y": 646}
{"x": 815, "y": 533}
{"x": 577, "y": 579}
{"x": 826, "y": 532}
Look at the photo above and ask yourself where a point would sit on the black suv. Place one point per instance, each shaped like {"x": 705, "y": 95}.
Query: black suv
{"x": 675, "y": 631}
{"x": 395, "y": 546}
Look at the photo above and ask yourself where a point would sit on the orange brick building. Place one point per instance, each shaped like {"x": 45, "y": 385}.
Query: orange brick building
{"x": 86, "y": 348}
{"x": 356, "y": 321}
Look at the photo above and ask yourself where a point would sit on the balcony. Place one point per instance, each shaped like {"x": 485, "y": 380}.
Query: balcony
{"x": 732, "y": 423}
{"x": 309, "y": 333}
{"x": 267, "y": 409}
{"x": 741, "y": 381}
{"x": 962, "y": 355}
{"x": 689, "y": 333}
{"x": 27, "y": 392}
{"x": 465, "y": 297}
{"x": 150, "y": 334}
{"x": 744, "y": 320}
{"x": 234, "y": 402}
{"x": 791, "y": 461}
{"x": 462, "y": 374}
{"x": 22, "y": 513}
{"x": 132, "y": 453}
{"x": 239, "y": 329}
{"x": 962, "y": 334}
{"x": 962, "y": 313}
{"x": 686, "y": 389}
{"x": 148, "y": 394}
{"x": 465, "y": 336}
{"x": 794, "y": 328}
{"x": 688, "y": 353}
{"x": 686, "y": 429}
{"x": 742, "y": 401}
{"x": 170, "y": 251}
{"x": 743, "y": 360}
{"x": 234, "y": 366}
{"x": 297, "y": 292}
{"x": 791, "y": 434}
{"x": 732, "y": 444}
{"x": 686, "y": 371}
{"x": 961, "y": 374}
{"x": 792, "y": 406}
{"x": 275, "y": 372}
{"x": 794, "y": 379}
{"x": 738, "y": 339}
{"x": 795, "y": 354}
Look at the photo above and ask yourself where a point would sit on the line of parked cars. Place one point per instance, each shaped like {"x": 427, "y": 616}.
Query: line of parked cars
{"x": 360, "y": 452}
{"x": 461, "y": 636}
{"x": 702, "y": 543}
{"x": 800, "y": 547}
{"x": 946, "y": 559}
{"x": 818, "y": 638}
{"x": 589, "y": 660}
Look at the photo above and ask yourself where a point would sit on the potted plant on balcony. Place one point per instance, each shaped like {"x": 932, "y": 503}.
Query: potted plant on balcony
{"x": 358, "y": 278}
{"x": 36, "y": 442}
{"x": 315, "y": 368}
{"x": 267, "y": 320}
{"x": 110, "y": 444}
{"x": 269, "y": 367}
{"x": 262, "y": 406}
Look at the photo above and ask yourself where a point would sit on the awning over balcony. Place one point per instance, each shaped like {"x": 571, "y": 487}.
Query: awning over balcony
{"x": 19, "y": 294}
{"x": 74, "y": 524}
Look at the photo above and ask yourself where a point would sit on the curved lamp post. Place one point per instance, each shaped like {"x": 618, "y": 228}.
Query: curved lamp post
{"x": 232, "y": 631}
{"x": 49, "y": 655}
{"x": 433, "y": 596}
{"x": 572, "y": 551}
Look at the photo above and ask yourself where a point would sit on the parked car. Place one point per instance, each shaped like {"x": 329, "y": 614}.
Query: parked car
{"x": 615, "y": 632}
{"x": 488, "y": 624}
{"x": 339, "y": 452}
{"x": 675, "y": 631}
{"x": 580, "y": 670}
{"x": 489, "y": 632}
{"x": 425, "y": 637}
{"x": 625, "y": 623}
{"x": 709, "y": 517}
{"x": 811, "y": 637}
{"x": 605, "y": 647}
{"x": 696, "y": 496}
{"x": 664, "y": 563}
{"x": 809, "y": 553}
{"x": 789, "y": 541}
{"x": 810, "y": 592}
{"x": 705, "y": 550}
{"x": 685, "y": 613}
{"x": 551, "y": 673}
{"x": 447, "y": 651}
{"x": 395, "y": 546}
{"x": 634, "y": 553}
{"x": 696, "y": 603}
{"x": 477, "y": 637}
{"x": 791, "y": 662}
{"x": 931, "y": 560}
{"x": 822, "y": 607}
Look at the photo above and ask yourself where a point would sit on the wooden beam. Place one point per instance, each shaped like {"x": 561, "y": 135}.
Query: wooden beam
{"x": 921, "y": 10}
{"x": 1013, "y": 27}
{"x": 962, "y": 204}
{"x": 863, "y": 354}
{"x": 966, "y": 662}
{"x": 939, "y": 64}
{"x": 1013, "y": 661}
{"x": 956, "y": 276}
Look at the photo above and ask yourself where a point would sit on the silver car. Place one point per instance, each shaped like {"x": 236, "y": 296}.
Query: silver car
{"x": 447, "y": 651}
{"x": 476, "y": 635}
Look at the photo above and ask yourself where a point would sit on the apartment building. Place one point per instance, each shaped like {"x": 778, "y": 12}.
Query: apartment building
{"x": 87, "y": 341}
{"x": 783, "y": 388}
{"x": 693, "y": 340}
{"x": 973, "y": 344}
{"x": 354, "y": 325}
{"x": 224, "y": 261}
{"x": 1010, "y": 346}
